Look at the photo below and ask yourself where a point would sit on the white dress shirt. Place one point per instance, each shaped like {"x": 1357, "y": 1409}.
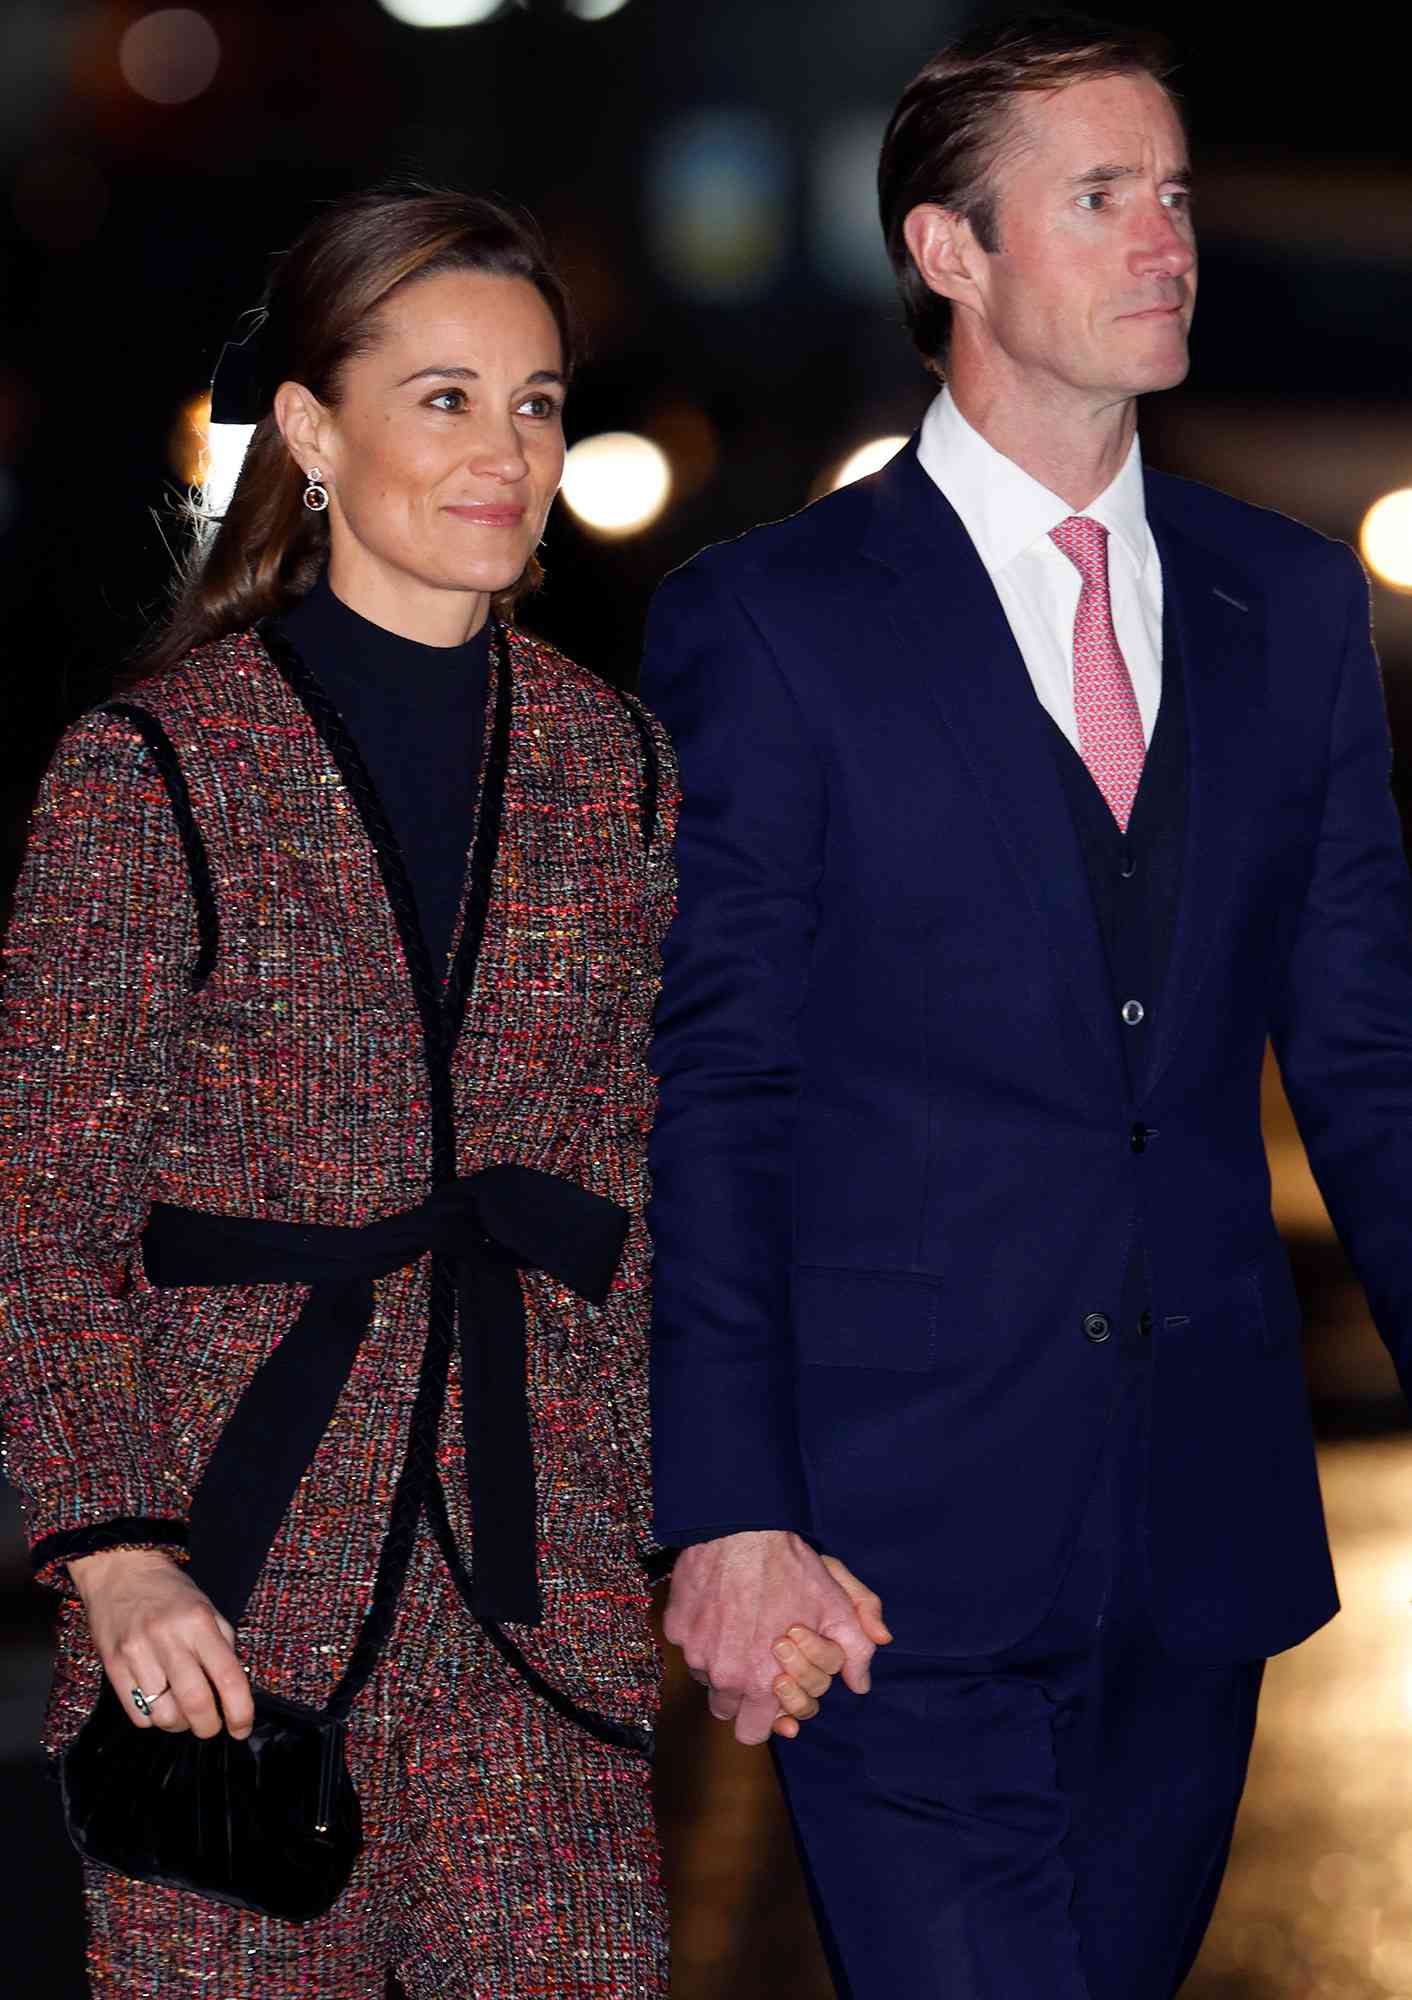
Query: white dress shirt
{"x": 1008, "y": 515}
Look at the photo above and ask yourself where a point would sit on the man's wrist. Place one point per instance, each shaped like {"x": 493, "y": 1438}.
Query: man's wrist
{"x": 694, "y": 1538}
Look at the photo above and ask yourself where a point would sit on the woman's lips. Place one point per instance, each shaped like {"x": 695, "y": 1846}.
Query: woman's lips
{"x": 488, "y": 516}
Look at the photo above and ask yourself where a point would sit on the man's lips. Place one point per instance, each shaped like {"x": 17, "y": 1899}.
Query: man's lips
{"x": 1154, "y": 312}
{"x": 486, "y": 515}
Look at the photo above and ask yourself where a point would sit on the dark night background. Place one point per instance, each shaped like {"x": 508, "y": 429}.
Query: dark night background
{"x": 703, "y": 169}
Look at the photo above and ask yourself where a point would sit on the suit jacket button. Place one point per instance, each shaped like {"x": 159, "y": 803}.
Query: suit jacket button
{"x": 1144, "y": 1324}
{"x": 1097, "y": 1326}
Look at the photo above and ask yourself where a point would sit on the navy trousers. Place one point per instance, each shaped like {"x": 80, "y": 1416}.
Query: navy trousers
{"x": 1050, "y": 1820}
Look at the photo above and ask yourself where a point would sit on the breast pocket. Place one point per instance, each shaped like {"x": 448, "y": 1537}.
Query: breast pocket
{"x": 849, "y": 1318}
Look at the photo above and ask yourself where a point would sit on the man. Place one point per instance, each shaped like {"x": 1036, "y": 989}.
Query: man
{"x": 1026, "y": 795}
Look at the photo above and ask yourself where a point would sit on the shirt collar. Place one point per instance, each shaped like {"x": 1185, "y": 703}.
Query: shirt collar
{"x": 1002, "y": 508}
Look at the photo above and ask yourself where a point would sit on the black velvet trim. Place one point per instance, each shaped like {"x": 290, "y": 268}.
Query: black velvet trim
{"x": 651, "y": 779}
{"x": 69, "y": 1544}
{"x": 621, "y": 1735}
{"x": 485, "y": 849}
{"x": 400, "y": 1539}
{"x": 417, "y": 1475}
{"x": 198, "y": 867}
{"x": 659, "y": 1563}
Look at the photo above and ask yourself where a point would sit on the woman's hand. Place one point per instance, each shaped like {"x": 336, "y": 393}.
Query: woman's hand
{"x": 810, "y": 1662}
{"x": 155, "y": 1631}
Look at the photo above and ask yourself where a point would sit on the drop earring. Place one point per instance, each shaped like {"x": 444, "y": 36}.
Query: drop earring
{"x": 315, "y": 492}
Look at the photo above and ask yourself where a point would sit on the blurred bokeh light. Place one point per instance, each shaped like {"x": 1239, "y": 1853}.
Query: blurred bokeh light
{"x": 869, "y": 457}
{"x": 1386, "y": 538}
{"x": 616, "y": 483}
{"x": 844, "y": 235}
{"x": 442, "y": 13}
{"x": 595, "y": 10}
{"x": 171, "y": 56}
{"x": 718, "y": 189}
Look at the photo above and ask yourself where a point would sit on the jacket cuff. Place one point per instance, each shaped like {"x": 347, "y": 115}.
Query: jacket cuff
{"x": 129, "y": 1531}
{"x": 690, "y": 1538}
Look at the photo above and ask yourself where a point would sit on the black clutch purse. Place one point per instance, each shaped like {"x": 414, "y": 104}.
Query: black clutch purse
{"x": 272, "y": 1824}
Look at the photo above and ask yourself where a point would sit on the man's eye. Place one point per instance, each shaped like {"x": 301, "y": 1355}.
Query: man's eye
{"x": 1093, "y": 200}
{"x": 1178, "y": 197}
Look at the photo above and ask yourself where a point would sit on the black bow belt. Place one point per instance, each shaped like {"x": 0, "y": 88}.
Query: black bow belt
{"x": 489, "y": 1227}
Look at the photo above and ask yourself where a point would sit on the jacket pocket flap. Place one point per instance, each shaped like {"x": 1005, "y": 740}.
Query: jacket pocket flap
{"x": 847, "y": 1318}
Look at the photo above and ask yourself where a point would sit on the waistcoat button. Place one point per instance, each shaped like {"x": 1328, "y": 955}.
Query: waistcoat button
{"x": 1133, "y": 1012}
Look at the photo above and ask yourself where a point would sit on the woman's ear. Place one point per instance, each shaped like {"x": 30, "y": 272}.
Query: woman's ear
{"x": 303, "y": 423}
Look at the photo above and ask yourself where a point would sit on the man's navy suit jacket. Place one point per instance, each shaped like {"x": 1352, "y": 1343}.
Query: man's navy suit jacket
{"x": 897, "y": 1168}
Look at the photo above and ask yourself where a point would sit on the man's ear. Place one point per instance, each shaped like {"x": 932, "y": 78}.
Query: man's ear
{"x": 303, "y": 423}
{"x": 945, "y": 251}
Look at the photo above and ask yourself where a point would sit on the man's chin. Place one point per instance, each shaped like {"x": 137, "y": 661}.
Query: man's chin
{"x": 1162, "y": 371}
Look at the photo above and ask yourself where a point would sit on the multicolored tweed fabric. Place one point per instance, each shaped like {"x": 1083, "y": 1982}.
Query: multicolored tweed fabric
{"x": 292, "y": 1085}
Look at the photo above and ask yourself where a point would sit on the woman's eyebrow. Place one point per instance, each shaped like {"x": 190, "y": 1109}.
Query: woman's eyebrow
{"x": 471, "y": 375}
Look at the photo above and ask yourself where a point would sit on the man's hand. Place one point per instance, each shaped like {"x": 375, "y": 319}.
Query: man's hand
{"x": 156, "y": 1631}
{"x": 733, "y": 1600}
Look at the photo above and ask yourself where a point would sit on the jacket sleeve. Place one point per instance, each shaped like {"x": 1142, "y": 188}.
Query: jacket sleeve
{"x": 1342, "y": 1028}
{"x": 749, "y": 851}
{"x": 615, "y": 1143}
{"x": 99, "y": 962}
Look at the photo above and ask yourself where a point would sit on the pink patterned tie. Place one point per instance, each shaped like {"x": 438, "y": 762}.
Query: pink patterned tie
{"x": 1105, "y": 707}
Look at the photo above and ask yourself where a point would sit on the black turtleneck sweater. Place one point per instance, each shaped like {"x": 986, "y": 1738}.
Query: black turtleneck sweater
{"x": 417, "y": 715}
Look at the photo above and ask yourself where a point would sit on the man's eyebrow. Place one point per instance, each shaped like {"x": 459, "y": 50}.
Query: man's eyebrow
{"x": 454, "y": 374}
{"x": 1100, "y": 176}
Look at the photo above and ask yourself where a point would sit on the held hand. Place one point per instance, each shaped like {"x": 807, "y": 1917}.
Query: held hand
{"x": 730, "y": 1600}
{"x": 810, "y": 1662}
{"x": 154, "y": 1630}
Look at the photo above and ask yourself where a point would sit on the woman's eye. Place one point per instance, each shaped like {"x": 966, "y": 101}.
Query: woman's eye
{"x": 448, "y": 399}
{"x": 542, "y": 407}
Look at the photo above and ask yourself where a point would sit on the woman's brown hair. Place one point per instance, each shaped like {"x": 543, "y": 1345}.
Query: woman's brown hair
{"x": 321, "y": 307}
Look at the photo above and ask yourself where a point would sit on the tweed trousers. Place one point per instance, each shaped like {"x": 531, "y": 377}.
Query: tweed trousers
{"x": 508, "y": 1855}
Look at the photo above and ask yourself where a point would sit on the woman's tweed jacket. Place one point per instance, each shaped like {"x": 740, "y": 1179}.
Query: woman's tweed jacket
{"x": 287, "y": 1080}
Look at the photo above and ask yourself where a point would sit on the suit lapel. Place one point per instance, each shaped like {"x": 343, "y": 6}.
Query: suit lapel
{"x": 1220, "y": 627}
{"x": 958, "y": 643}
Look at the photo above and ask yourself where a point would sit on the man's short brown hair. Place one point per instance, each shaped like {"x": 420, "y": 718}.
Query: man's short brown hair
{"x": 950, "y": 124}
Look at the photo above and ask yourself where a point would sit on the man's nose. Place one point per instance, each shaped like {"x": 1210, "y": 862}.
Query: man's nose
{"x": 1165, "y": 244}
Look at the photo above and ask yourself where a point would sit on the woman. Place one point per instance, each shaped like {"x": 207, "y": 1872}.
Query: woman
{"x": 323, "y": 1117}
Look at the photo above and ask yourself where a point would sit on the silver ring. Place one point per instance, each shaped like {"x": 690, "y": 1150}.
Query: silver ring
{"x": 143, "y": 1702}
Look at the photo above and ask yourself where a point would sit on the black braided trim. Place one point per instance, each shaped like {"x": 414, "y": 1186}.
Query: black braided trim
{"x": 621, "y": 1735}
{"x": 651, "y": 778}
{"x": 485, "y": 850}
{"x": 399, "y": 1540}
{"x": 198, "y": 866}
{"x": 418, "y": 1469}
{"x": 125, "y": 1531}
